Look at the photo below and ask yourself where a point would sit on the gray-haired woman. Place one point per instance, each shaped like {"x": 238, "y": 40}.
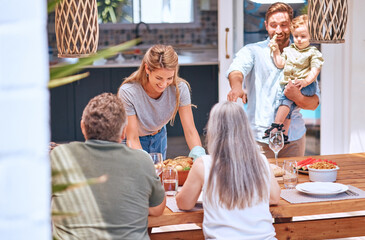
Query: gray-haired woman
{"x": 237, "y": 182}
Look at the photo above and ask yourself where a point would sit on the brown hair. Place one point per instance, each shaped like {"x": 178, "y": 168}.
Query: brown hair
{"x": 238, "y": 175}
{"x": 157, "y": 57}
{"x": 279, "y": 7}
{"x": 299, "y": 21}
{"x": 104, "y": 118}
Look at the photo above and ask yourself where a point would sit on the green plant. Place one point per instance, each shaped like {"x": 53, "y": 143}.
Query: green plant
{"x": 304, "y": 9}
{"x": 61, "y": 74}
{"x": 111, "y": 10}
{"x": 62, "y": 187}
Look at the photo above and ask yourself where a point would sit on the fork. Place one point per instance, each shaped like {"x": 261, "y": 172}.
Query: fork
{"x": 351, "y": 193}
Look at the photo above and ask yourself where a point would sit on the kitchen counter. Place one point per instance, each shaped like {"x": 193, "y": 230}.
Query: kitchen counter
{"x": 187, "y": 57}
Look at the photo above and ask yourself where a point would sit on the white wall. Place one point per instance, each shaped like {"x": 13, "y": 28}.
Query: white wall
{"x": 24, "y": 121}
{"x": 343, "y": 88}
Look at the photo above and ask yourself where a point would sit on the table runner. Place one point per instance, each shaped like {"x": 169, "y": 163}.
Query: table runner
{"x": 171, "y": 204}
{"x": 294, "y": 196}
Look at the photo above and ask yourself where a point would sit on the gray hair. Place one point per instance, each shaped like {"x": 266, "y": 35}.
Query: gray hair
{"x": 239, "y": 175}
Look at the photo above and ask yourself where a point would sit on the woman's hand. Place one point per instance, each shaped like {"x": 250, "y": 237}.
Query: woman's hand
{"x": 132, "y": 133}
{"x": 197, "y": 152}
{"x": 274, "y": 189}
{"x": 189, "y": 194}
{"x": 187, "y": 121}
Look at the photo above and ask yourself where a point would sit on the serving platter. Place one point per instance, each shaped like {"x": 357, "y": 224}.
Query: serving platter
{"x": 321, "y": 188}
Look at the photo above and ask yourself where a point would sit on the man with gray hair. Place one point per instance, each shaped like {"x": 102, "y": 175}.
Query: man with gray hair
{"x": 119, "y": 207}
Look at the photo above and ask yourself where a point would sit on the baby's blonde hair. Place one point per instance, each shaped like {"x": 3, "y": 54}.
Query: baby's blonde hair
{"x": 299, "y": 21}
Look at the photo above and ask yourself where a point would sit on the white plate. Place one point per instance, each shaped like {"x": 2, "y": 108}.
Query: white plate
{"x": 321, "y": 188}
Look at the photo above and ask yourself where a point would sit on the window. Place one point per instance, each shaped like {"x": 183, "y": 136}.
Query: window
{"x": 148, "y": 11}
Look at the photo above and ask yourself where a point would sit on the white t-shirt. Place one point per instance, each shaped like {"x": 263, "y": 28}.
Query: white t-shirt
{"x": 152, "y": 113}
{"x": 250, "y": 223}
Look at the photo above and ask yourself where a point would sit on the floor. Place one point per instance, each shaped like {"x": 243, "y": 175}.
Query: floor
{"x": 176, "y": 146}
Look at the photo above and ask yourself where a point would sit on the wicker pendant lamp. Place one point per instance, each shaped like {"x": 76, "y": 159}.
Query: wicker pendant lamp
{"x": 327, "y": 20}
{"x": 77, "y": 29}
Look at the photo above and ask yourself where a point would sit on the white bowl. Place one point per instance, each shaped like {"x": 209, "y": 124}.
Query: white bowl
{"x": 323, "y": 175}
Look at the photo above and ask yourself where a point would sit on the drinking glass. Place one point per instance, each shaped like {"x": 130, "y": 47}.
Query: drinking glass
{"x": 158, "y": 162}
{"x": 276, "y": 143}
{"x": 170, "y": 180}
{"x": 290, "y": 176}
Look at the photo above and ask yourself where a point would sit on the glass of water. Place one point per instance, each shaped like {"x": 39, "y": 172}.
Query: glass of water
{"x": 170, "y": 180}
{"x": 290, "y": 176}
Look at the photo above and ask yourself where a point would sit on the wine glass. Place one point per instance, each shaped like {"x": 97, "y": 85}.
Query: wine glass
{"x": 276, "y": 143}
{"x": 158, "y": 162}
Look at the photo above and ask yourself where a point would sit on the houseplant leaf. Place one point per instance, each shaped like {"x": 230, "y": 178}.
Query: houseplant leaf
{"x": 53, "y": 83}
{"x": 63, "y": 70}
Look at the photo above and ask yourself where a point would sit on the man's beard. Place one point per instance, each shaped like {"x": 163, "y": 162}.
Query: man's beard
{"x": 283, "y": 41}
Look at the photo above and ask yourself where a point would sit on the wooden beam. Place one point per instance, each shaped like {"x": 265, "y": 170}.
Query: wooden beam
{"x": 321, "y": 229}
{"x": 181, "y": 235}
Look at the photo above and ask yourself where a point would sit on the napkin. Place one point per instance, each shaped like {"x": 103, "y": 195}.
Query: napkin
{"x": 171, "y": 204}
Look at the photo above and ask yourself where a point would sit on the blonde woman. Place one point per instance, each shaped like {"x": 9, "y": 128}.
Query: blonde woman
{"x": 152, "y": 96}
{"x": 235, "y": 178}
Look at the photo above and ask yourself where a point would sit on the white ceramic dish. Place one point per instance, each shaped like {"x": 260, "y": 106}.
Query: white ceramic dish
{"x": 323, "y": 175}
{"x": 321, "y": 188}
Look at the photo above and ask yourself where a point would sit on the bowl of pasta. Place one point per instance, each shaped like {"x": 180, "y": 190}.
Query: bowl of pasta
{"x": 323, "y": 172}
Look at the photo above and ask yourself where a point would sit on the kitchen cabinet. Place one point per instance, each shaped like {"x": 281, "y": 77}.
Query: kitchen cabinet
{"x": 68, "y": 102}
{"x": 203, "y": 81}
{"x": 62, "y": 113}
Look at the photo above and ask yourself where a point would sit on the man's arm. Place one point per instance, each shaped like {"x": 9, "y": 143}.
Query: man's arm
{"x": 293, "y": 93}
{"x": 158, "y": 210}
{"x": 235, "y": 80}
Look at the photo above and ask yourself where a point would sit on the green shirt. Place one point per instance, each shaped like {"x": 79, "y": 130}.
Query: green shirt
{"x": 115, "y": 209}
{"x": 298, "y": 63}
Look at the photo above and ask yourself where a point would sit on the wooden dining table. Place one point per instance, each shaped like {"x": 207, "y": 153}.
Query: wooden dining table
{"x": 328, "y": 222}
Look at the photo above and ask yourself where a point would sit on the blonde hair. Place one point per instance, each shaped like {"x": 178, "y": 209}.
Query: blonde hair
{"x": 279, "y": 7}
{"x": 239, "y": 174}
{"x": 299, "y": 21}
{"x": 159, "y": 57}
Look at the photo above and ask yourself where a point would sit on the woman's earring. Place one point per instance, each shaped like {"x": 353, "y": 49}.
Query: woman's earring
{"x": 147, "y": 75}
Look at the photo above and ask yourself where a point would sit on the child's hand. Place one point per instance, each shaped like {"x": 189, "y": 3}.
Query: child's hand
{"x": 273, "y": 44}
{"x": 300, "y": 83}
